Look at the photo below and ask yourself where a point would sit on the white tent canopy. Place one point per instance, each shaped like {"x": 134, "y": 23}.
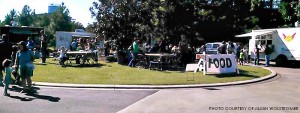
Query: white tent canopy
{"x": 255, "y": 33}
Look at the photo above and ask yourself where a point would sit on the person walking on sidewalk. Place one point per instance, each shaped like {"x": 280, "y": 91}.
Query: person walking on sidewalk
{"x": 24, "y": 62}
{"x": 256, "y": 60}
{"x": 7, "y": 79}
{"x": 268, "y": 52}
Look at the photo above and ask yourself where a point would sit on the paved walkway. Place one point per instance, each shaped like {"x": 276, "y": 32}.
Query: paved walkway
{"x": 272, "y": 95}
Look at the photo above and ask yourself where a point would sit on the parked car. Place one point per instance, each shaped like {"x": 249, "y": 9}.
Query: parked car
{"x": 212, "y": 48}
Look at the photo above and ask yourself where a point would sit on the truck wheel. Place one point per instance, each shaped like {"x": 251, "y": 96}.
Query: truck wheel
{"x": 281, "y": 61}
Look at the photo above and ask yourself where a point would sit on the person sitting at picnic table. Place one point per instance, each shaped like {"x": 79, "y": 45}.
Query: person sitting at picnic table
{"x": 62, "y": 56}
{"x": 162, "y": 46}
{"x": 74, "y": 45}
{"x": 154, "y": 49}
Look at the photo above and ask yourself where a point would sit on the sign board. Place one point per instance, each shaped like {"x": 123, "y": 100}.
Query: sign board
{"x": 201, "y": 64}
{"x": 198, "y": 56}
{"x": 191, "y": 67}
{"x": 221, "y": 63}
{"x": 217, "y": 63}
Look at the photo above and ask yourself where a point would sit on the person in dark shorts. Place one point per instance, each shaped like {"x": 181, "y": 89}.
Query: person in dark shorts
{"x": 24, "y": 62}
{"x": 5, "y": 52}
{"x": 44, "y": 44}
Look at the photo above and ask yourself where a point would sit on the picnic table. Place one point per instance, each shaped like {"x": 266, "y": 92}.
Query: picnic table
{"x": 83, "y": 55}
{"x": 157, "y": 60}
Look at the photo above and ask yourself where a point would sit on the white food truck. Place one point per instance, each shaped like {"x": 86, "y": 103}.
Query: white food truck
{"x": 285, "y": 43}
{"x": 64, "y": 38}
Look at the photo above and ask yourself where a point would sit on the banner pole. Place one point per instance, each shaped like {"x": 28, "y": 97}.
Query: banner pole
{"x": 204, "y": 65}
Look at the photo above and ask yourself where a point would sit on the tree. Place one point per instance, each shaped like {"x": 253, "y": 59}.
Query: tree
{"x": 42, "y": 20}
{"x": 113, "y": 20}
{"x": 12, "y": 16}
{"x": 211, "y": 20}
{"x": 60, "y": 20}
{"x": 26, "y": 16}
{"x": 90, "y": 28}
{"x": 76, "y": 25}
{"x": 57, "y": 21}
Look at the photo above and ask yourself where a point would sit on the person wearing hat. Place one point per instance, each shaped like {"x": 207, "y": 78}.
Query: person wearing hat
{"x": 5, "y": 52}
{"x": 44, "y": 45}
{"x": 24, "y": 62}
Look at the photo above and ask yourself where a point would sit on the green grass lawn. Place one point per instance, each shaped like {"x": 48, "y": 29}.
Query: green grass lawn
{"x": 113, "y": 73}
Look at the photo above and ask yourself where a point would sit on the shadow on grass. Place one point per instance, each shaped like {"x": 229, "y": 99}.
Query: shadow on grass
{"x": 85, "y": 65}
{"x": 42, "y": 64}
{"x": 82, "y": 65}
{"x": 242, "y": 74}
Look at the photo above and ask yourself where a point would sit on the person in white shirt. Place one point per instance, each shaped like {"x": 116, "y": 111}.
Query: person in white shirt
{"x": 230, "y": 48}
{"x": 62, "y": 55}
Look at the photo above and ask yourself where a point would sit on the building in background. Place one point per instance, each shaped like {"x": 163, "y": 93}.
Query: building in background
{"x": 52, "y": 8}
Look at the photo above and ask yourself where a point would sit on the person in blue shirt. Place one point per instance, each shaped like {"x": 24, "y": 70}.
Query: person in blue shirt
{"x": 74, "y": 45}
{"x": 24, "y": 62}
{"x": 7, "y": 78}
{"x": 30, "y": 43}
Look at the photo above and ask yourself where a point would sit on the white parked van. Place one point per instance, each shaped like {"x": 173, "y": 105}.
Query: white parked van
{"x": 212, "y": 48}
{"x": 284, "y": 41}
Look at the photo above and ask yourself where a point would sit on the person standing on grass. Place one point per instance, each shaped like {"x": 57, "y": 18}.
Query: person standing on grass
{"x": 24, "y": 62}
{"x": 245, "y": 50}
{"x": 44, "y": 44}
{"x": 30, "y": 43}
{"x": 135, "y": 51}
{"x": 7, "y": 79}
{"x": 256, "y": 50}
{"x": 5, "y": 52}
{"x": 238, "y": 51}
{"x": 222, "y": 48}
{"x": 131, "y": 62}
{"x": 242, "y": 57}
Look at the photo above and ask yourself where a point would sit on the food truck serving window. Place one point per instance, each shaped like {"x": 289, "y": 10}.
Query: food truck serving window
{"x": 269, "y": 42}
{"x": 263, "y": 42}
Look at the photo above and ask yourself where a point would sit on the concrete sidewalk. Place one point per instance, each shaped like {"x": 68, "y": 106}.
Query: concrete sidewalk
{"x": 272, "y": 75}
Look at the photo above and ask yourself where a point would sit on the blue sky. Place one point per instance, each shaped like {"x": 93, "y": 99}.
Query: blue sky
{"x": 79, "y": 9}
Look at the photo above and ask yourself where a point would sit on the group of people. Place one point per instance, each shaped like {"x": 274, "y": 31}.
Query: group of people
{"x": 183, "y": 52}
{"x": 267, "y": 51}
{"x": 241, "y": 53}
{"x": 77, "y": 45}
{"x": 16, "y": 61}
{"x": 83, "y": 44}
